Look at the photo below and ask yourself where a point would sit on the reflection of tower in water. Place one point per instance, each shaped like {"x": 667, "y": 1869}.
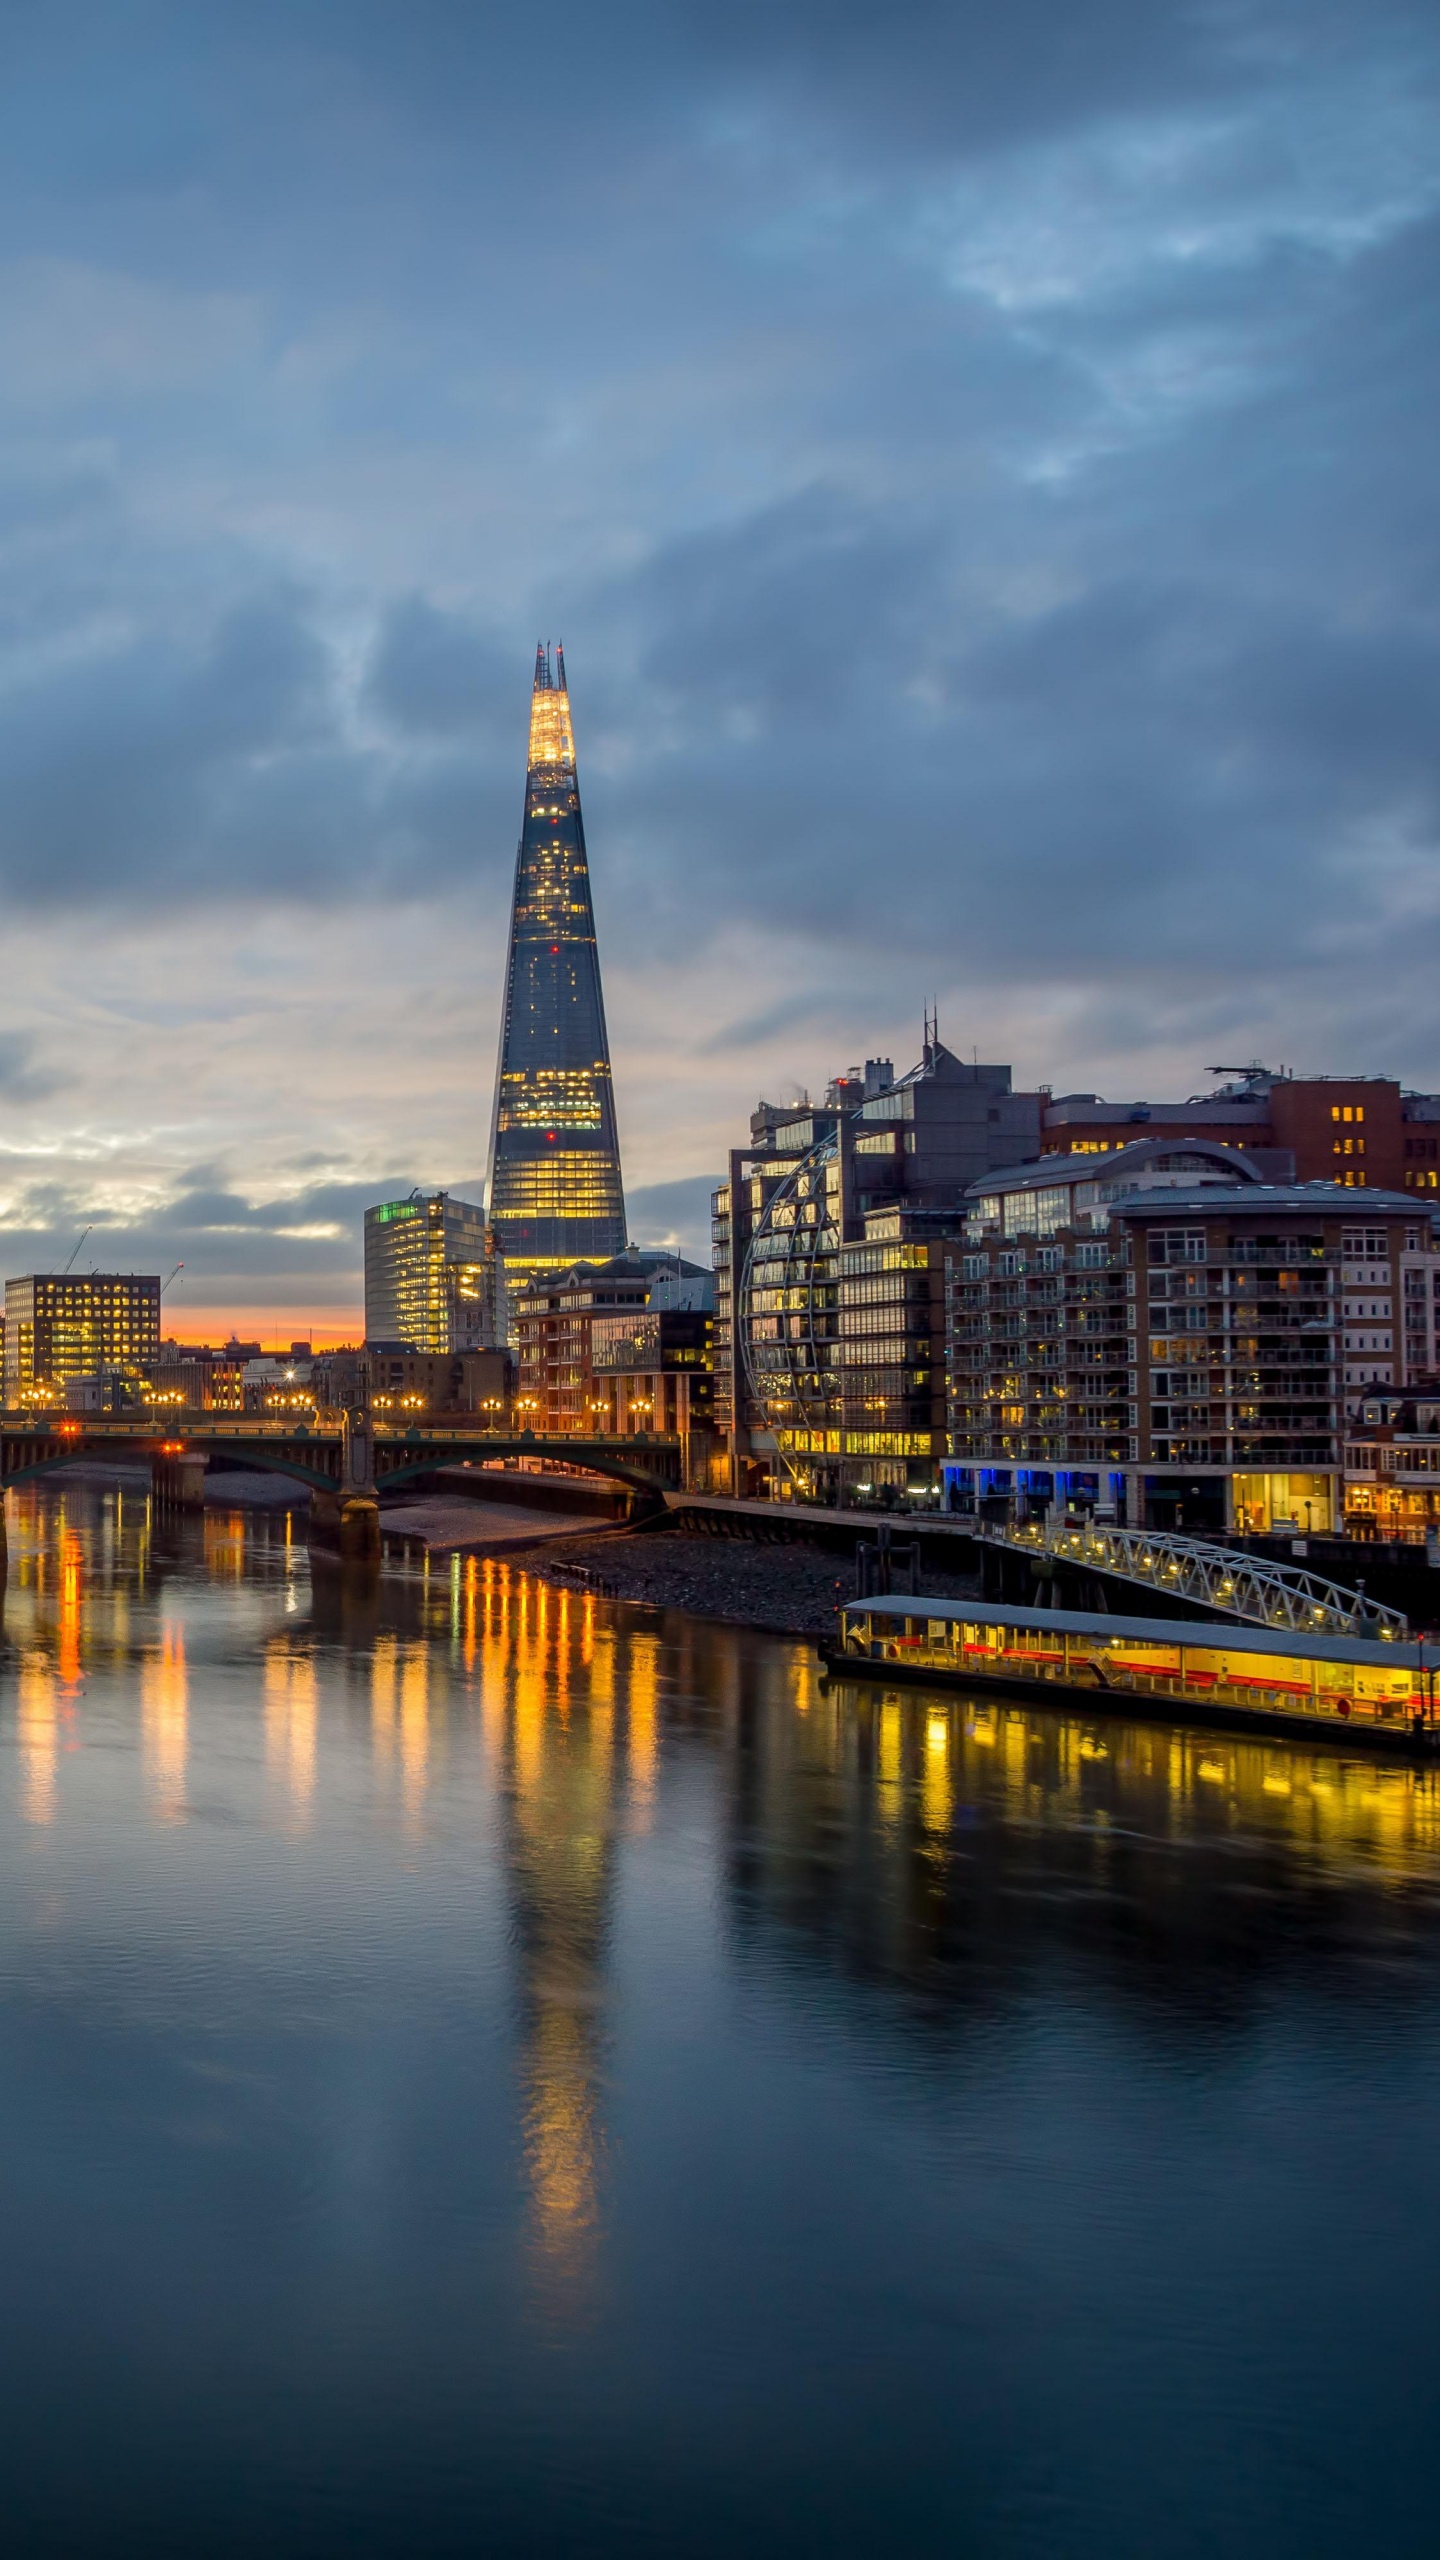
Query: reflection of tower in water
{"x": 571, "y": 1719}
{"x": 165, "y": 1722}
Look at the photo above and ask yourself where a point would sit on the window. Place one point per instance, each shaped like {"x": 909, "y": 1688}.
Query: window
{"x": 1036, "y": 1212}
{"x": 1178, "y": 1244}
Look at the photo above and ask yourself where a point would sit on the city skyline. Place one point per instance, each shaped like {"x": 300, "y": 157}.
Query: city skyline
{"x": 989, "y": 495}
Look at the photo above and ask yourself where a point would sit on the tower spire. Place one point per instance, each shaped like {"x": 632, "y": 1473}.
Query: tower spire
{"x": 555, "y": 1194}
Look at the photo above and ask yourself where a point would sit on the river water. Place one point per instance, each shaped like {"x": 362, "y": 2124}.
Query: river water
{"x": 488, "y": 2071}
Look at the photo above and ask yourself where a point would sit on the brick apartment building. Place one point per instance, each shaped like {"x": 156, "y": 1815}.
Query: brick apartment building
{"x": 1171, "y": 1339}
{"x": 1364, "y": 1132}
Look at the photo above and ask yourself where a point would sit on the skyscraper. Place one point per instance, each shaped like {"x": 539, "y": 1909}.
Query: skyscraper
{"x": 426, "y": 1281}
{"x": 555, "y": 1193}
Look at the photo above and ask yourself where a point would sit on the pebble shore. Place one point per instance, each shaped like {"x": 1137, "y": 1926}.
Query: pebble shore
{"x": 790, "y": 1590}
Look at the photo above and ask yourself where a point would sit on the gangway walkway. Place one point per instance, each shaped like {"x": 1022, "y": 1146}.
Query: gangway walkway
{"x": 1243, "y": 1586}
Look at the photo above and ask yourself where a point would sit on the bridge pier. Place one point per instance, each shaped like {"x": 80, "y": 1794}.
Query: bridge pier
{"x": 360, "y": 1529}
{"x": 348, "y": 1525}
{"x": 178, "y": 1482}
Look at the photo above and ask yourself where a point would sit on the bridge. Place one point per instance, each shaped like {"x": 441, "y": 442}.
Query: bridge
{"x": 344, "y": 1460}
{"x": 1224, "y": 1579}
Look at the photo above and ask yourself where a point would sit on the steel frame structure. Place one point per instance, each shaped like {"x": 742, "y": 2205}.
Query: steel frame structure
{"x": 1225, "y": 1578}
{"x": 795, "y": 1215}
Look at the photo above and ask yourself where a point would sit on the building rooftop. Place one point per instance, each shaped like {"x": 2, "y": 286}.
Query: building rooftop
{"x": 1157, "y": 1156}
{"x": 1272, "y": 1199}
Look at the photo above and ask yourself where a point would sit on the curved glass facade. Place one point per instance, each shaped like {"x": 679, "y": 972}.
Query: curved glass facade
{"x": 788, "y": 1321}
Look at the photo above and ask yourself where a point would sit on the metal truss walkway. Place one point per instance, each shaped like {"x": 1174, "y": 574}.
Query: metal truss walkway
{"x": 1243, "y": 1586}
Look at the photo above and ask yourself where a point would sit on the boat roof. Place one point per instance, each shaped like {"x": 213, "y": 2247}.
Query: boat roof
{"x": 1213, "y": 1633}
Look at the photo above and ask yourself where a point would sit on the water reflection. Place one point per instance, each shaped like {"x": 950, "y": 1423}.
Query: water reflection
{"x": 549, "y": 1957}
{"x": 165, "y": 1714}
{"x": 36, "y": 1737}
{"x": 947, "y": 1848}
{"x": 292, "y": 1709}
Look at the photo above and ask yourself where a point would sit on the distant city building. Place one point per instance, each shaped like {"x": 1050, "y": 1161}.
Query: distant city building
{"x": 429, "y": 1274}
{"x": 1171, "y": 1340}
{"x": 586, "y": 1337}
{"x": 397, "y": 1380}
{"x": 555, "y": 1196}
{"x": 276, "y": 1384}
{"x": 61, "y": 1325}
{"x": 203, "y": 1378}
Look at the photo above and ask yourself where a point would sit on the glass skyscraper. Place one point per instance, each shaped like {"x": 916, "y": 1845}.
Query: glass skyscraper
{"x": 555, "y": 1193}
{"x": 425, "y": 1274}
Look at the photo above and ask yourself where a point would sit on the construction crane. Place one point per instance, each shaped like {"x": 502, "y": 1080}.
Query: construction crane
{"x": 74, "y": 1249}
{"x": 179, "y": 1267}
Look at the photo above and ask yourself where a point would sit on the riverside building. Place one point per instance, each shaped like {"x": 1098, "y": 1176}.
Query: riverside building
{"x": 555, "y": 1193}
{"x": 828, "y": 1246}
{"x": 1362, "y": 1132}
{"x": 564, "y": 1319}
{"x": 84, "y": 1324}
{"x": 1173, "y": 1341}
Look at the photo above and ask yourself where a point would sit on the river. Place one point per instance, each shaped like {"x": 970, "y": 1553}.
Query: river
{"x": 487, "y": 2070}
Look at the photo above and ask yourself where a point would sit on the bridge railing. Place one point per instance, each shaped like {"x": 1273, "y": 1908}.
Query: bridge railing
{"x": 1225, "y": 1578}
{"x": 212, "y": 1423}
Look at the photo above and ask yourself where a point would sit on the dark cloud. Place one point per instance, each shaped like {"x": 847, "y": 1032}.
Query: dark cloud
{"x": 21, "y": 1079}
{"x": 434, "y": 674}
{"x": 219, "y": 1234}
{"x": 981, "y": 462}
{"x": 674, "y": 1213}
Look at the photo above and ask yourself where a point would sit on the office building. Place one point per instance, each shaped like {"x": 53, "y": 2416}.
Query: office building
{"x": 555, "y": 1195}
{"x": 829, "y": 1318}
{"x": 1170, "y": 1339}
{"x": 428, "y": 1274}
{"x": 61, "y": 1325}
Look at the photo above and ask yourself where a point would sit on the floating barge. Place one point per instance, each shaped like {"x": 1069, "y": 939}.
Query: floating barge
{"x": 1348, "y": 1687}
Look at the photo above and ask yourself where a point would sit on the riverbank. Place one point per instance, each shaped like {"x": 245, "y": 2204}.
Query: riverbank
{"x": 787, "y": 1590}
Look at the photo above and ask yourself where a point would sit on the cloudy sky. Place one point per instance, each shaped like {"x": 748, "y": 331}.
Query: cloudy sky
{"x": 981, "y": 463}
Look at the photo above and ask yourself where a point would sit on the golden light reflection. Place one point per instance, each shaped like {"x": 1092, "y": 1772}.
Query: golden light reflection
{"x": 642, "y": 1727}
{"x": 414, "y": 1728}
{"x": 72, "y": 1605}
{"x": 1056, "y": 1768}
{"x": 937, "y": 1793}
{"x": 384, "y": 1665}
{"x": 165, "y": 1723}
{"x": 37, "y": 1735}
{"x": 564, "y": 1789}
{"x": 291, "y": 1713}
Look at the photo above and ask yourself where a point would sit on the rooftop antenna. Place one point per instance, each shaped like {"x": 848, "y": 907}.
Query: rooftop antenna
{"x": 74, "y": 1249}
